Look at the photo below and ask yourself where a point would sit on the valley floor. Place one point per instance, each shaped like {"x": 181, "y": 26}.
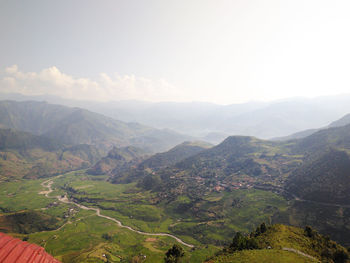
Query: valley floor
{"x": 65, "y": 200}
{"x": 83, "y": 218}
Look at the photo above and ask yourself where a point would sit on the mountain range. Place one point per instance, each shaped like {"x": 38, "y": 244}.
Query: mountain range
{"x": 345, "y": 120}
{"x": 32, "y": 156}
{"x": 202, "y": 120}
{"x": 73, "y": 126}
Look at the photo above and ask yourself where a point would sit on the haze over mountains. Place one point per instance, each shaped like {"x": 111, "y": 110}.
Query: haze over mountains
{"x": 78, "y": 126}
{"x": 214, "y": 122}
{"x": 345, "y": 120}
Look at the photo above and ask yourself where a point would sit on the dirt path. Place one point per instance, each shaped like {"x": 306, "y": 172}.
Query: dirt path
{"x": 298, "y": 252}
{"x": 48, "y": 184}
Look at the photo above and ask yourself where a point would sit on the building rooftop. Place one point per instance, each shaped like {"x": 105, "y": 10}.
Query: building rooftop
{"x": 15, "y": 250}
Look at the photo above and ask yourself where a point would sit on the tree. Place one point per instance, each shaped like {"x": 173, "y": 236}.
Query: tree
{"x": 309, "y": 232}
{"x": 257, "y": 231}
{"x": 263, "y": 228}
{"x": 107, "y": 236}
{"x": 174, "y": 254}
{"x": 252, "y": 244}
{"x": 239, "y": 242}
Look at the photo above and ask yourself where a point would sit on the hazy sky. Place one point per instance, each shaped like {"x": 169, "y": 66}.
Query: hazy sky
{"x": 180, "y": 50}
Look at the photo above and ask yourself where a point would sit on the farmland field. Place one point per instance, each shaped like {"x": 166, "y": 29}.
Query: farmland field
{"x": 81, "y": 236}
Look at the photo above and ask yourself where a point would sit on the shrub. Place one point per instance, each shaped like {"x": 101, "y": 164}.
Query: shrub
{"x": 174, "y": 254}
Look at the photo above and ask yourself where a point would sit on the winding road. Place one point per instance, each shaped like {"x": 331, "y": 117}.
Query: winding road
{"x": 48, "y": 184}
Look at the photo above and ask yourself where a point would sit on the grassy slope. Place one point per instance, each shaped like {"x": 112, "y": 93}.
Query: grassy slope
{"x": 282, "y": 236}
{"x": 262, "y": 256}
{"x": 279, "y": 238}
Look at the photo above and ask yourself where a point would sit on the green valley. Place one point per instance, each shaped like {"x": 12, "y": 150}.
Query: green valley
{"x": 78, "y": 235}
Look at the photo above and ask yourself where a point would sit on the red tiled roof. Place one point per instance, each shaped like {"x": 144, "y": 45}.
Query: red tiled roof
{"x": 15, "y": 250}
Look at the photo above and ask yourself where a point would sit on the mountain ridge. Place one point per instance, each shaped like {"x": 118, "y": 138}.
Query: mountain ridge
{"x": 260, "y": 119}
{"x": 79, "y": 126}
{"x": 23, "y": 155}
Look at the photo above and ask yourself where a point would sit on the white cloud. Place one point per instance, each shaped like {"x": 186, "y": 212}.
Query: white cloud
{"x": 53, "y": 82}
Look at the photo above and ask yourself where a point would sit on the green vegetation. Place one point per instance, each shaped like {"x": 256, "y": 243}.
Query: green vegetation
{"x": 25, "y": 222}
{"x": 117, "y": 160}
{"x": 139, "y": 209}
{"x": 135, "y": 169}
{"x": 91, "y": 237}
{"x": 22, "y": 195}
{"x": 174, "y": 254}
{"x": 84, "y": 240}
{"x": 238, "y": 162}
{"x": 262, "y": 256}
{"x": 267, "y": 242}
{"x": 212, "y": 219}
{"x": 323, "y": 179}
{"x": 327, "y": 219}
{"x": 75, "y": 235}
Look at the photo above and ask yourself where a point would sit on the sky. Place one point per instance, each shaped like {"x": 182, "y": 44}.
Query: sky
{"x": 220, "y": 51}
